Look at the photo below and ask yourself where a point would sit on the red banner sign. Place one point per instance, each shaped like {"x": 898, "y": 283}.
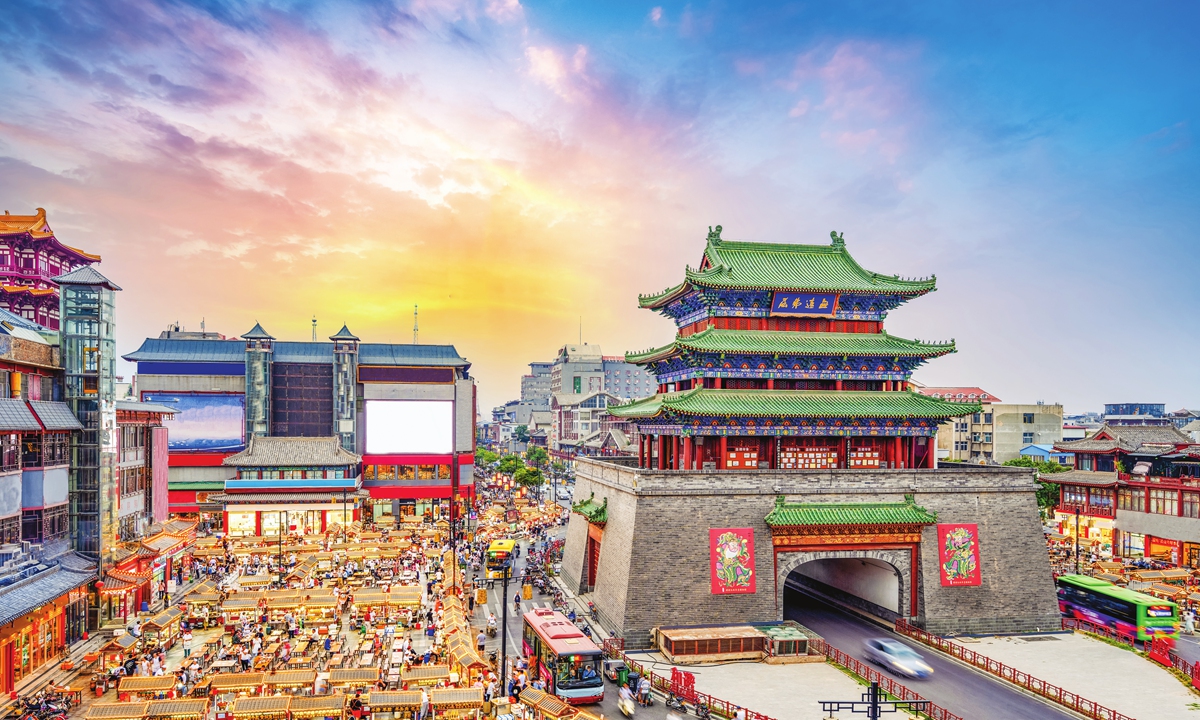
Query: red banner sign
{"x": 958, "y": 554}
{"x": 731, "y": 552}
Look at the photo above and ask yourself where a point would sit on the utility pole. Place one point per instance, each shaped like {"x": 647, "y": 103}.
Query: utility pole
{"x": 414, "y": 324}
{"x": 314, "y": 328}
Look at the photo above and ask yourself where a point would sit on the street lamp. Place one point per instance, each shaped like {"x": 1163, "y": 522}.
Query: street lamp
{"x": 505, "y": 565}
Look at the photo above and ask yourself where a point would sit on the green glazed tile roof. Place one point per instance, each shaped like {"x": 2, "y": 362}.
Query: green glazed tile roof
{"x": 794, "y": 343}
{"x": 596, "y": 513}
{"x": 794, "y": 403}
{"x": 902, "y": 513}
{"x": 771, "y": 266}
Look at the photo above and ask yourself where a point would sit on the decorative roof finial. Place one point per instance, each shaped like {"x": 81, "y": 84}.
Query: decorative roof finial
{"x": 838, "y": 239}
{"x": 714, "y": 233}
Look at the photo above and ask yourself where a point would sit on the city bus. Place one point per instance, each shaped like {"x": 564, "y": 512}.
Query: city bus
{"x": 499, "y": 556}
{"x": 563, "y": 657}
{"x": 1122, "y": 610}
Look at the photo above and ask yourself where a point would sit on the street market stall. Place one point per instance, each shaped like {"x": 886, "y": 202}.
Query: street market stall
{"x": 145, "y": 688}
{"x": 321, "y": 707}
{"x": 236, "y": 683}
{"x": 425, "y": 675}
{"x": 162, "y": 630}
{"x": 394, "y": 705}
{"x": 291, "y": 681}
{"x": 261, "y": 708}
{"x": 177, "y": 709}
{"x": 456, "y": 702}
{"x": 115, "y": 652}
{"x": 353, "y": 678}
{"x": 117, "y": 711}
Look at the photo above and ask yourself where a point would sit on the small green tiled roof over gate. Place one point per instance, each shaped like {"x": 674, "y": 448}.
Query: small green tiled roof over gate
{"x": 901, "y": 513}
{"x": 596, "y": 513}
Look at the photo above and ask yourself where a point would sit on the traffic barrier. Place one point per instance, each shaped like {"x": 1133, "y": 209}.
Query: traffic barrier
{"x": 615, "y": 648}
{"x": 1067, "y": 699}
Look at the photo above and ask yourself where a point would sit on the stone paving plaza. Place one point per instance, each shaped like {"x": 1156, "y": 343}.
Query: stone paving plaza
{"x": 1116, "y": 678}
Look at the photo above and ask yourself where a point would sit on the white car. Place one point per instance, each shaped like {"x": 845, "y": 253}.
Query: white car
{"x": 897, "y": 657}
{"x": 564, "y": 494}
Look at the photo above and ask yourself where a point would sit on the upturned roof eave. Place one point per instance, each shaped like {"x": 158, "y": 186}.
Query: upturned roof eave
{"x": 675, "y": 403}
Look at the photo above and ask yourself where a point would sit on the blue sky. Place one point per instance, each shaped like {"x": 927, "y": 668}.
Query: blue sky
{"x": 514, "y": 167}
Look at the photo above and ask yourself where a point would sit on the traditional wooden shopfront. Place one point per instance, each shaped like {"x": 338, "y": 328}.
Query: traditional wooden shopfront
{"x": 39, "y": 636}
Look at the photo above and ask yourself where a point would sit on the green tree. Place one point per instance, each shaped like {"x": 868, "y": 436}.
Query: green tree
{"x": 509, "y": 465}
{"x": 485, "y": 458}
{"x": 537, "y": 457}
{"x": 521, "y": 433}
{"x": 1047, "y": 494}
{"x": 529, "y": 477}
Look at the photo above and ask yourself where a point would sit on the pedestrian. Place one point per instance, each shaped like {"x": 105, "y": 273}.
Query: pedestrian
{"x": 739, "y": 712}
{"x": 480, "y": 641}
{"x": 187, "y": 643}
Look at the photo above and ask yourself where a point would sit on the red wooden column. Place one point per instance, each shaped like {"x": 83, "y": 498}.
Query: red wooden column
{"x": 662, "y": 452}
{"x": 898, "y": 449}
{"x": 837, "y": 384}
{"x": 931, "y": 454}
{"x": 717, "y": 383}
{"x": 675, "y": 452}
{"x": 772, "y": 442}
{"x": 698, "y": 461}
{"x": 844, "y": 451}
{"x": 770, "y": 383}
{"x": 687, "y": 452}
{"x": 724, "y": 452}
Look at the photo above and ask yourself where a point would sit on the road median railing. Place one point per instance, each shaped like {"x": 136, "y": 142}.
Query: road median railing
{"x": 615, "y": 648}
{"x": 1160, "y": 650}
{"x": 1054, "y": 693}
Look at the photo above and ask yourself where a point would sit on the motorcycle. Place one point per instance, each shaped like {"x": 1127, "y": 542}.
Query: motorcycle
{"x": 491, "y": 631}
{"x": 702, "y": 711}
{"x": 674, "y": 703}
{"x": 625, "y": 705}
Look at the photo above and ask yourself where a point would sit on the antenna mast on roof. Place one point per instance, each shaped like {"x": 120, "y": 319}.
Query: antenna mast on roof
{"x": 314, "y": 328}
{"x": 414, "y": 324}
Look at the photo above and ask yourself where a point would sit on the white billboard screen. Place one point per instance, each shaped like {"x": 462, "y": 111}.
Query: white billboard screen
{"x": 409, "y": 426}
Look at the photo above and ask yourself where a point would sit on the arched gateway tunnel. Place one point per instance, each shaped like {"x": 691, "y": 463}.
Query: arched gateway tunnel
{"x": 879, "y": 582}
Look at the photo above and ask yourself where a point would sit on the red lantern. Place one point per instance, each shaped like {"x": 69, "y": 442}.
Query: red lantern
{"x": 99, "y": 584}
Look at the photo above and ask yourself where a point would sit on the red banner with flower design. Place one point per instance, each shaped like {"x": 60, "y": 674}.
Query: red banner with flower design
{"x": 731, "y": 553}
{"x": 958, "y": 554}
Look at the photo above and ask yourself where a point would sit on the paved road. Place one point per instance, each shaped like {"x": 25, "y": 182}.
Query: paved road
{"x": 960, "y": 690}
{"x": 608, "y": 707}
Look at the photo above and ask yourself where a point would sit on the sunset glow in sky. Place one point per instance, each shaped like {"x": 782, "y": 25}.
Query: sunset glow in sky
{"x": 518, "y": 169}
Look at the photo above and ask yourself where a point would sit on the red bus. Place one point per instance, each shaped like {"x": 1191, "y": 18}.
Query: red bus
{"x": 563, "y": 657}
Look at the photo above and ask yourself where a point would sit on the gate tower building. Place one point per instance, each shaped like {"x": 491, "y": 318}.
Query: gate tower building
{"x": 785, "y": 448}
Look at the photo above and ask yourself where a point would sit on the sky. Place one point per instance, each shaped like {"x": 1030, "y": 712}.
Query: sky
{"x": 521, "y": 170}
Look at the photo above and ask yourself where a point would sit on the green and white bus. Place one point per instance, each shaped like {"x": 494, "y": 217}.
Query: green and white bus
{"x": 1124, "y": 611}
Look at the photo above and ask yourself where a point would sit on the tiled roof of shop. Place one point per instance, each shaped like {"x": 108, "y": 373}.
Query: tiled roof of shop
{"x": 257, "y": 333}
{"x": 86, "y": 275}
{"x": 794, "y": 343}
{"x": 55, "y": 415}
{"x": 787, "y": 266}
{"x": 292, "y": 452}
{"x": 419, "y": 355}
{"x": 43, "y": 588}
{"x": 154, "y": 349}
{"x": 794, "y": 403}
{"x": 15, "y": 415}
{"x": 117, "y": 711}
{"x": 1127, "y": 438}
{"x": 1081, "y": 477}
{"x": 901, "y": 513}
{"x": 178, "y": 708}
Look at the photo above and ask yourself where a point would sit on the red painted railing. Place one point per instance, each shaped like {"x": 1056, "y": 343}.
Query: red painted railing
{"x": 720, "y": 708}
{"x": 1067, "y": 699}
